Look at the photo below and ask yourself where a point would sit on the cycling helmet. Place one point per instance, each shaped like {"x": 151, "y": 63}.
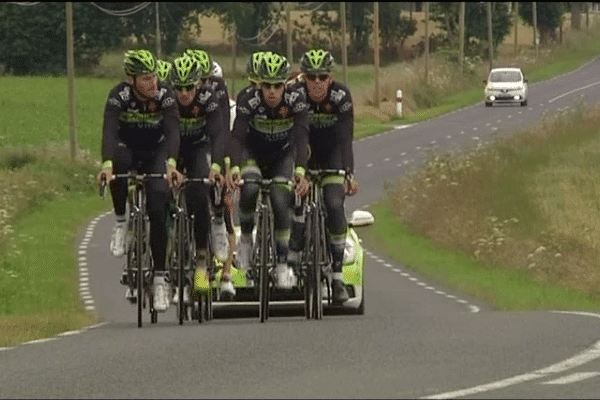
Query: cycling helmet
{"x": 274, "y": 68}
{"x": 253, "y": 65}
{"x": 184, "y": 72}
{"x": 217, "y": 71}
{"x": 163, "y": 70}
{"x": 139, "y": 62}
{"x": 316, "y": 61}
{"x": 204, "y": 61}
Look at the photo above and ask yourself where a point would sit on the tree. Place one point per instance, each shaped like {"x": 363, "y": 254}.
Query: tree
{"x": 549, "y": 18}
{"x": 476, "y": 26}
{"x": 33, "y": 39}
{"x": 394, "y": 28}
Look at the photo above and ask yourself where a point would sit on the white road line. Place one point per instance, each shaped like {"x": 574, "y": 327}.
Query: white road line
{"x": 395, "y": 270}
{"x": 573, "y": 91}
{"x": 572, "y": 378}
{"x": 586, "y": 356}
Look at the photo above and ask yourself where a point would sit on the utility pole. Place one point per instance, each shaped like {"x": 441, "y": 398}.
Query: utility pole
{"x": 490, "y": 36}
{"x": 516, "y": 3}
{"x": 376, "y": 37}
{"x": 158, "y": 47}
{"x": 71, "y": 79}
{"x": 344, "y": 48}
{"x": 288, "y": 18}
{"x": 426, "y": 41}
{"x": 535, "y": 34}
{"x": 234, "y": 54}
{"x": 461, "y": 37}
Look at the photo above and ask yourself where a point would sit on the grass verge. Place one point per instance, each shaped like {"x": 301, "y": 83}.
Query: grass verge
{"x": 513, "y": 223}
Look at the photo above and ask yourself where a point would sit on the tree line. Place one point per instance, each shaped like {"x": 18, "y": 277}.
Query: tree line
{"x": 32, "y": 38}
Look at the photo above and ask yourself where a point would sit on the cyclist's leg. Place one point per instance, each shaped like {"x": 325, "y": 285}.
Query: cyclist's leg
{"x": 281, "y": 173}
{"x": 248, "y": 196}
{"x": 337, "y": 226}
{"x": 196, "y": 194}
{"x": 157, "y": 205}
{"x": 122, "y": 162}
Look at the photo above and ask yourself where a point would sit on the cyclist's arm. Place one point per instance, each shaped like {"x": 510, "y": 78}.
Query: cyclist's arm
{"x": 171, "y": 125}
{"x": 344, "y": 139}
{"x": 217, "y": 134}
{"x": 300, "y": 133}
{"x": 110, "y": 128}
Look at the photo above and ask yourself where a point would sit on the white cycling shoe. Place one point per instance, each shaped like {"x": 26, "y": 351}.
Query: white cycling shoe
{"x": 284, "y": 277}
{"x": 117, "y": 240}
{"x": 161, "y": 293}
{"x": 220, "y": 240}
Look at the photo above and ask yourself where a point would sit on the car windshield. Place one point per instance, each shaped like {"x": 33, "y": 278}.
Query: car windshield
{"x": 505, "y": 76}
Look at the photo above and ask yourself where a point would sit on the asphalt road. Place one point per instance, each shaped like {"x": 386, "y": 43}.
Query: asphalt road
{"x": 416, "y": 339}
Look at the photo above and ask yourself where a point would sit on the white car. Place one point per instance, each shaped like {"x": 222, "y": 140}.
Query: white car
{"x": 506, "y": 85}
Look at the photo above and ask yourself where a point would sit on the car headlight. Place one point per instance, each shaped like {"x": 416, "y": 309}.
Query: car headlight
{"x": 349, "y": 251}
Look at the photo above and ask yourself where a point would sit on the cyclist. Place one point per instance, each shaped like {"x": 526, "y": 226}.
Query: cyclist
{"x": 217, "y": 85}
{"x": 141, "y": 131}
{"x": 202, "y": 138}
{"x": 163, "y": 71}
{"x": 270, "y": 136}
{"x": 252, "y": 67}
{"x": 331, "y": 125}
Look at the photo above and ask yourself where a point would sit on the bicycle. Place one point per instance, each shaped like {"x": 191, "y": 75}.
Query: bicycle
{"x": 139, "y": 271}
{"x": 316, "y": 258}
{"x": 264, "y": 257}
{"x": 182, "y": 256}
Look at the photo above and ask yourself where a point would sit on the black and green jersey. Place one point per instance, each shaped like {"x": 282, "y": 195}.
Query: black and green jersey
{"x": 262, "y": 132}
{"x": 331, "y": 126}
{"x": 140, "y": 124}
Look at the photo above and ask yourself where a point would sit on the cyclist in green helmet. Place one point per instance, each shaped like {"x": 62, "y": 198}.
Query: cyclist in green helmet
{"x": 331, "y": 126}
{"x": 163, "y": 71}
{"x": 141, "y": 131}
{"x": 270, "y": 140}
{"x": 202, "y": 138}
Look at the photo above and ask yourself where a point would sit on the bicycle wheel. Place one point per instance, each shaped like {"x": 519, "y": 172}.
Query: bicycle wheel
{"x": 139, "y": 267}
{"x": 181, "y": 248}
{"x": 308, "y": 263}
{"x": 263, "y": 225}
{"x": 317, "y": 234}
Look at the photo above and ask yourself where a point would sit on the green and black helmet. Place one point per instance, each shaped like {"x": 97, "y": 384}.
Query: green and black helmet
{"x": 163, "y": 70}
{"x": 139, "y": 62}
{"x": 204, "y": 62}
{"x": 253, "y": 65}
{"x": 185, "y": 73}
{"x": 317, "y": 61}
{"x": 274, "y": 68}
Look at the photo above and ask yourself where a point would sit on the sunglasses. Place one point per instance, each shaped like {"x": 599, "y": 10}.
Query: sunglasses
{"x": 268, "y": 85}
{"x": 313, "y": 77}
{"x": 185, "y": 88}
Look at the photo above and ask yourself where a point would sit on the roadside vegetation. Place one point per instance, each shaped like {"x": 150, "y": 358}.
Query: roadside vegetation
{"x": 514, "y": 223}
{"x": 46, "y": 197}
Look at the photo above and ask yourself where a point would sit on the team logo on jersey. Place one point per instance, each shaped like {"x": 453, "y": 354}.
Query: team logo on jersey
{"x": 290, "y": 98}
{"x": 168, "y": 102}
{"x": 114, "y": 102}
{"x": 212, "y": 107}
{"x": 347, "y": 106}
{"x": 125, "y": 94}
{"x": 204, "y": 96}
{"x": 300, "y": 106}
{"x": 261, "y": 110}
{"x": 152, "y": 106}
{"x": 243, "y": 110}
{"x": 195, "y": 111}
{"x": 337, "y": 95}
{"x": 159, "y": 95}
{"x": 255, "y": 101}
{"x": 327, "y": 108}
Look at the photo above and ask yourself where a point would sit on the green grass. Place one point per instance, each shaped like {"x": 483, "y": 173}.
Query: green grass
{"x": 502, "y": 288}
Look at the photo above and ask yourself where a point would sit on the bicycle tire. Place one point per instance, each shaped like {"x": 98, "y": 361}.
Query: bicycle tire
{"x": 263, "y": 266}
{"x": 307, "y": 261}
{"x": 180, "y": 224}
{"x": 317, "y": 231}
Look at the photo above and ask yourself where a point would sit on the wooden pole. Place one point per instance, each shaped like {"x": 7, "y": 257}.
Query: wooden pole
{"x": 516, "y": 3}
{"x": 461, "y": 37}
{"x": 158, "y": 45}
{"x": 376, "y": 35}
{"x": 344, "y": 46}
{"x": 490, "y": 36}
{"x": 71, "y": 79}
{"x": 426, "y": 41}
{"x": 288, "y": 18}
{"x": 535, "y": 34}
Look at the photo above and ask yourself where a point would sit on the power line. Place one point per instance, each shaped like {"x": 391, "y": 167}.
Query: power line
{"x": 25, "y": 3}
{"x": 122, "y": 13}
